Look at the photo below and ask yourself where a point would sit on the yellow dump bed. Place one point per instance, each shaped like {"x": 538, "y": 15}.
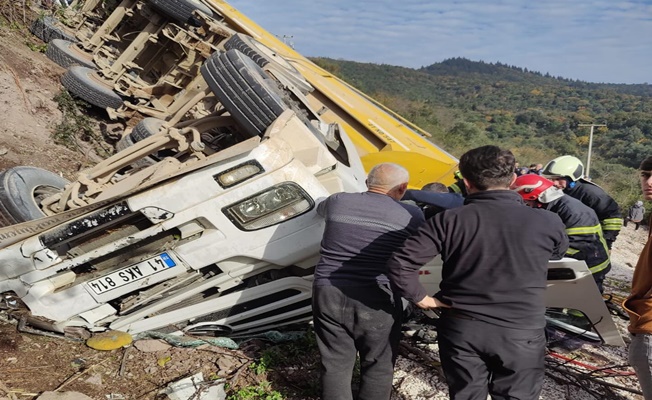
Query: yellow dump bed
{"x": 379, "y": 134}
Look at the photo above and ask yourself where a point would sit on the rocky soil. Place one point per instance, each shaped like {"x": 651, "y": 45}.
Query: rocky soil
{"x": 32, "y": 364}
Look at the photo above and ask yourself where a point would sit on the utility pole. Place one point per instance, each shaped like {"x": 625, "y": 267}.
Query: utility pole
{"x": 588, "y": 157}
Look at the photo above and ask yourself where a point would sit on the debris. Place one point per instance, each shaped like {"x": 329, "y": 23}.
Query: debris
{"x": 279, "y": 337}
{"x": 194, "y": 387}
{"x": 63, "y": 396}
{"x": 5, "y": 390}
{"x": 3, "y": 151}
{"x": 78, "y": 363}
{"x": 164, "y": 360}
{"x": 184, "y": 341}
{"x": 109, "y": 340}
{"x": 78, "y": 374}
{"x": 121, "y": 371}
{"x": 151, "y": 345}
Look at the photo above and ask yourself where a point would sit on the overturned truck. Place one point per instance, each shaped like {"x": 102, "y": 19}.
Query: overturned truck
{"x": 204, "y": 223}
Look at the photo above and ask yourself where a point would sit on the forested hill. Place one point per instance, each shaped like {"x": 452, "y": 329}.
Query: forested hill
{"x": 465, "y": 103}
{"x": 463, "y": 66}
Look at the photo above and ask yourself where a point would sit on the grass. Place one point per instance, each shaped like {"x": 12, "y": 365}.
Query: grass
{"x": 76, "y": 125}
{"x": 262, "y": 391}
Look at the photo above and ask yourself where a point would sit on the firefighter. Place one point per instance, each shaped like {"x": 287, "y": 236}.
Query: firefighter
{"x": 567, "y": 173}
{"x": 458, "y": 186}
{"x": 582, "y": 225}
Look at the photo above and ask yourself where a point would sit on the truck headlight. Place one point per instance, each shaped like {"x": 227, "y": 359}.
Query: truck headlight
{"x": 275, "y": 205}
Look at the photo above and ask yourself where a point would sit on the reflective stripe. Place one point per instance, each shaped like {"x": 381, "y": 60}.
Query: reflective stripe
{"x": 612, "y": 224}
{"x": 590, "y": 230}
{"x": 599, "y": 267}
{"x": 584, "y": 230}
{"x": 455, "y": 188}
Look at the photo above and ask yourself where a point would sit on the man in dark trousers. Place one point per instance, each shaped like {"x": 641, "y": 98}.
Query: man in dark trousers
{"x": 495, "y": 253}
{"x": 354, "y": 308}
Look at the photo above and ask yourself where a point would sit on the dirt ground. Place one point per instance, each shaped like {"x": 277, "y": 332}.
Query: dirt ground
{"x": 28, "y": 83}
{"x": 32, "y": 364}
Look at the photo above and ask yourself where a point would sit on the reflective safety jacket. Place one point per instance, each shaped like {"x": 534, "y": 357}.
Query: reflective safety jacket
{"x": 458, "y": 186}
{"x": 604, "y": 206}
{"x": 586, "y": 241}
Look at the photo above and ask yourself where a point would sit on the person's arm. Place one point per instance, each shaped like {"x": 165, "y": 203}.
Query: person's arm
{"x": 607, "y": 210}
{"x": 562, "y": 242}
{"x": 322, "y": 207}
{"x": 443, "y": 200}
{"x": 404, "y": 264}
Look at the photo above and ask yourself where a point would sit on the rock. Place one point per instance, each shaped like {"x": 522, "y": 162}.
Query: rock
{"x": 3, "y": 151}
{"x": 151, "y": 370}
{"x": 63, "y": 396}
{"x": 95, "y": 380}
{"x": 226, "y": 364}
{"x": 151, "y": 345}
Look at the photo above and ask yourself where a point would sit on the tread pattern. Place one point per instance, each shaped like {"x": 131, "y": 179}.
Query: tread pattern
{"x": 181, "y": 10}
{"x": 251, "y": 97}
{"x": 78, "y": 81}
{"x": 146, "y": 128}
{"x": 125, "y": 142}
{"x": 46, "y": 30}
{"x": 239, "y": 43}
{"x": 66, "y": 54}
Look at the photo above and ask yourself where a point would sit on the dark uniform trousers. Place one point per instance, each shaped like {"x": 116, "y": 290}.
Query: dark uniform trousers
{"x": 479, "y": 358}
{"x": 363, "y": 319}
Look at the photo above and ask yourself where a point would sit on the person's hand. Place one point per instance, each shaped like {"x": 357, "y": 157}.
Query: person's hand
{"x": 429, "y": 302}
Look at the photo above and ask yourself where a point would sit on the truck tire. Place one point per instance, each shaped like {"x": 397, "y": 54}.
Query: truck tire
{"x": 181, "y": 10}
{"x": 144, "y": 129}
{"x": 86, "y": 84}
{"x": 21, "y": 191}
{"x": 243, "y": 88}
{"x": 45, "y": 29}
{"x": 263, "y": 55}
{"x": 67, "y": 54}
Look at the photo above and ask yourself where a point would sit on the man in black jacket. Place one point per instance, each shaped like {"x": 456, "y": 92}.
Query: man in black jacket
{"x": 495, "y": 253}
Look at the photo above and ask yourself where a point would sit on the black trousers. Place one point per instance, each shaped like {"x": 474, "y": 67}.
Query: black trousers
{"x": 479, "y": 358}
{"x": 598, "y": 277}
{"x": 350, "y": 320}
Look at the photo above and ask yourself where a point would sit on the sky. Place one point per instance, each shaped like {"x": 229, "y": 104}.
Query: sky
{"x": 606, "y": 41}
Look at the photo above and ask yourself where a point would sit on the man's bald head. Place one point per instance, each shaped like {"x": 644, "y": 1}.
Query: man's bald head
{"x": 388, "y": 178}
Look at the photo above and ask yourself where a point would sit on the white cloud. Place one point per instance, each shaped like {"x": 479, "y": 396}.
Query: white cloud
{"x": 600, "y": 41}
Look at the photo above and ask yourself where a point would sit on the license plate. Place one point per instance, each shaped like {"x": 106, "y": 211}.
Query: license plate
{"x": 131, "y": 274}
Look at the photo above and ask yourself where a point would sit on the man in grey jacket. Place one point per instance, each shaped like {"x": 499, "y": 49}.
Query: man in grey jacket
{"x": 354, "y": 309}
